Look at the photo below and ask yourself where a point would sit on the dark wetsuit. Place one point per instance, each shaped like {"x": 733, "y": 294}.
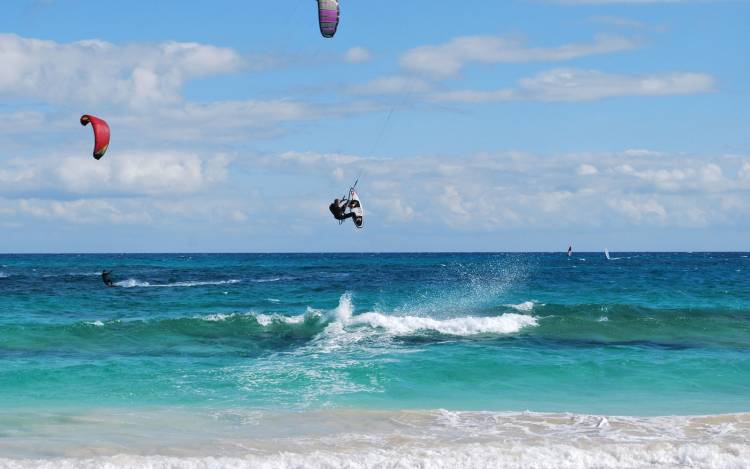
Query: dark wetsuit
{"x": 337, "y": 209}
{"x": 107, "y": 279}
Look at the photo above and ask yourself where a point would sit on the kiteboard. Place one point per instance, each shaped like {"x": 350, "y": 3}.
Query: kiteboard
{"x": 358, "y": 211}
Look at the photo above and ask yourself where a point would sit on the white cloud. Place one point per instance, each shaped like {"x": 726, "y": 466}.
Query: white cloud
{"x": 18, "y": 175}
{"x": 744, "y": 173}
{"x": 445, "y": 60}
{"x": 587, "y": 170}
{"x": 638, "y": 210}
{"x": 193, "y": 212}
{"x": 95, "y": 72}
{"x": 83, "y": 211}
{"x": 21, "y": 122}
{"x": 452, "y": 201}
{"x": 230, "y": 121}
{"x": 587, "y": 85}
{"x": 495, "y": 191}
{"x": 640, "y": 152}
{"x": 392, "y": 85}
{"x": 395, "y": 209}
{"x": 707, "y": 177}
{"x": 143, "y": 173}
{"x": 356, "y": 55}
{"x": 129, "y": 172}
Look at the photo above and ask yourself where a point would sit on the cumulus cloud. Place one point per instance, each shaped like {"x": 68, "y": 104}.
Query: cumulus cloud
{"x": 480, "y": 192}
{"x": 21, "y": 122}
{"x": 95, "y": 71}
{"x": 143, "y": 173}
{"x": 132, "y": 172}
{"x": 83, "y": 211}
{"x": 356, "y": 55}
{"x": 446, "y": 60}
{"x": 586, "y": 85}
{"x": 133, "y": 211}
{"x": 641, "y": 152}
{"x": 707, "y": 178}
{"x": 638, "y": 209}
{"x": 492, "y": 191}
{"x": 587, "y": 170}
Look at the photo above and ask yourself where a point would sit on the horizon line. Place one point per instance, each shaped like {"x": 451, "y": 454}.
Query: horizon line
{"x": 74, "y": 253}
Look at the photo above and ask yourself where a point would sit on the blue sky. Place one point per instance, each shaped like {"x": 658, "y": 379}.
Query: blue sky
{"x": 516, "y": 125}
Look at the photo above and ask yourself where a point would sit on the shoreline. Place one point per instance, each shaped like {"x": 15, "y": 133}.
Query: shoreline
{"x": 184, "y": 437}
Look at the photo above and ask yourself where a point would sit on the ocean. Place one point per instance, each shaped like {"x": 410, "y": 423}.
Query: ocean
{"x": 534, "y": 360}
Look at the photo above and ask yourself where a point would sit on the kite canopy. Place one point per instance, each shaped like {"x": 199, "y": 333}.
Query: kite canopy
{"x": 328, "y": 17}
{"x": 101, "y": 134}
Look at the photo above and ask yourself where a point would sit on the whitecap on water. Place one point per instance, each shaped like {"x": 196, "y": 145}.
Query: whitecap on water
{"x": 133, "y": 283}
{"x": 526, "y": 306}
{"x": 507, "y": 323}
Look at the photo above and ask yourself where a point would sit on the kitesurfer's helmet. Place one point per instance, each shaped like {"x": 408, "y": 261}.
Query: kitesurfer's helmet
{"x": 358, "y": 221}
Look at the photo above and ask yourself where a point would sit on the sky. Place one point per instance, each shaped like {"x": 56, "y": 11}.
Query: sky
{"x": 514, "y": 125}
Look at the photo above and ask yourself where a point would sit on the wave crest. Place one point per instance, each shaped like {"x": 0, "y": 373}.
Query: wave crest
{"x": 507, "y": 323}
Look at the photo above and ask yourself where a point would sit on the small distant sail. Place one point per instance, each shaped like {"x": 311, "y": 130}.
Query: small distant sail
{"x": 606, "y": 253}
{"x": 570, "y": 250}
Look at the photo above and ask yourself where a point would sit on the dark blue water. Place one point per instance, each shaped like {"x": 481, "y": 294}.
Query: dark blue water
{"x": 641, "y": 334}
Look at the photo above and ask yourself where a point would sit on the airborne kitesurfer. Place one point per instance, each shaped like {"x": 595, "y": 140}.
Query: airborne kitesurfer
{"x": 338, "y": 209}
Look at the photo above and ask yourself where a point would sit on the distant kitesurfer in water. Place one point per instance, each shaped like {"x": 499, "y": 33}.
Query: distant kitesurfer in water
{"x": 107, "y": 279}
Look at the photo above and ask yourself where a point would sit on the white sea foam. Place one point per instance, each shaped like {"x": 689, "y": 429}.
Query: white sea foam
{"x": 507, "y": 323}
{"x": 451, "y": 457}
{"x": 401, "y": 325}
{"x": 263, "y": 319}
{"x": 133, "y": 283}
{"x": 217, "y": 317}
{"x": 525, "y": 307}
{"x": 4, "y": 275}
{"x": 370, "y": 439}
{"x": 272, "y": 279}
{"x": 268, "y": 319}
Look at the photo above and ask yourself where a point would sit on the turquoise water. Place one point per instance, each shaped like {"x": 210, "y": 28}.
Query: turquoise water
{"x": 643, "y": 334}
